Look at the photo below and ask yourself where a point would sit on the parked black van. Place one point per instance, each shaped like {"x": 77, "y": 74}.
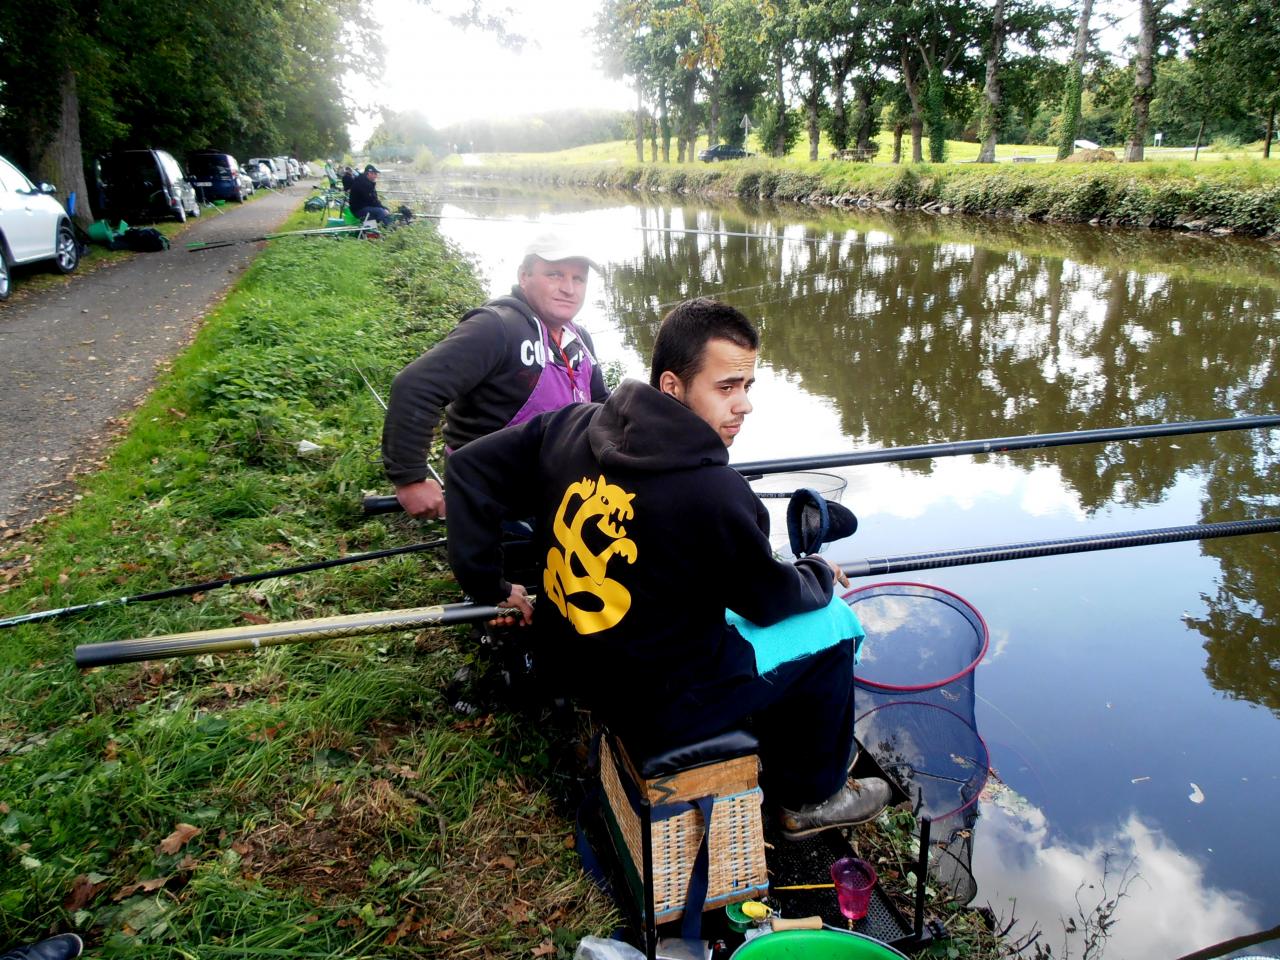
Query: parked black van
{"x": 145, "y": 183}
{"x": 216, "y": 176}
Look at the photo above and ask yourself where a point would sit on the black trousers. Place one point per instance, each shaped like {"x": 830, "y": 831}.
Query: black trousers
{"x": 801, "y": 712}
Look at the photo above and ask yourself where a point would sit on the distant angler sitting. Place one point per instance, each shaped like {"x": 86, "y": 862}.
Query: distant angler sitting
{"x": 364, "y": 201}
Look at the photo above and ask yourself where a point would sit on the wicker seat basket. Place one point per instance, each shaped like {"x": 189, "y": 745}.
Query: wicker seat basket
{"x": 736, "y": 869}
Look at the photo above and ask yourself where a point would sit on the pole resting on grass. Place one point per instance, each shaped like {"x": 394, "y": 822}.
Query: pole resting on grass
{"x": 190, "y": 588}
{"x": 884, "y": 566}
{"x": 234, "y": 639}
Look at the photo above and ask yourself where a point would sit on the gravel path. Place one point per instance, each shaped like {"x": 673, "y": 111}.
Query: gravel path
{"x": 74, "y": 359}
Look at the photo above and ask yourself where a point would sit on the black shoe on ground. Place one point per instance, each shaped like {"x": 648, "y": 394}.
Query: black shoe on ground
{"x": 64, "y": 946}
{"x": 856, "y": 802}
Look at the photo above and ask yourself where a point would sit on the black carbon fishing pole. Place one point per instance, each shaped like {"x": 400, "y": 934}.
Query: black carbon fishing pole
{"x": 884, "y": 566}
{"x": 1034, "y": 441}
{"x": 191, "y": 588}
{"x": 318, "y": 232}
{"x": 234, "y": 639}
{"x": 928, "y": 451}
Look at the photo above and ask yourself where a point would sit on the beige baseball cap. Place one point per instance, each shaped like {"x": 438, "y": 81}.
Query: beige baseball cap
{"x": 552, "y": 247}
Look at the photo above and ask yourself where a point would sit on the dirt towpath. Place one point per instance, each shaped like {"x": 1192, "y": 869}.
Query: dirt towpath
{"x": 73, "y": 359}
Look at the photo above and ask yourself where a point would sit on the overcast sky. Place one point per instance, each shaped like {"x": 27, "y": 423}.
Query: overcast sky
{"x": 449, "y": 74}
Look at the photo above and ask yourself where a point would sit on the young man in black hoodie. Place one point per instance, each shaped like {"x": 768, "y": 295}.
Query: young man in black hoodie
{"x": 649, "y": 537}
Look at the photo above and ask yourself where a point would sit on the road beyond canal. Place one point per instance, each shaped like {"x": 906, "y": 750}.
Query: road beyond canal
{"x": 74, "y": 359}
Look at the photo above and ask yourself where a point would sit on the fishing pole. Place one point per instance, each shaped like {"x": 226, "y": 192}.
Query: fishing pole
{"x": 208, "y": 585}
{"x": 1033, "y": 441}
{"x": 383, "y": 404}
{"x": 929, "y": 451}
{"x": 252, "y": 637}
{"x": 883, "y": 566}
{"x": 679, "y": 230}
{"x": 319, "y": 232}
{"x": 233, "y": 639}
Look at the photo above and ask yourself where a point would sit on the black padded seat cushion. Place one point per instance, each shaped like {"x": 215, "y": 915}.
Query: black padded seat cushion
{"x": 724, "y": 746}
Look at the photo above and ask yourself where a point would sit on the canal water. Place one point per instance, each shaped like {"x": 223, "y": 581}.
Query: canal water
{"x": 1130, "y": 700}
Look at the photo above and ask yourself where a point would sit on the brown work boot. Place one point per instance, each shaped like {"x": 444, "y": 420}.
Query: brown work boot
{"x": 856, "y": 802}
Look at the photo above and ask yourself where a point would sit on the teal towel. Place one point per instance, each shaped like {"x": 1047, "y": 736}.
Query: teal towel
{"x": 800, "y": 635}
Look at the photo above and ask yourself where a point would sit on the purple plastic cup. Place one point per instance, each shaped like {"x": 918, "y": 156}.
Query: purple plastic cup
{"x": 853, "y": 879}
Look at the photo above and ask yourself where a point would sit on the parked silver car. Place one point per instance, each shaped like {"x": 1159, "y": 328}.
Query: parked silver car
{"x": 33, "y": 226}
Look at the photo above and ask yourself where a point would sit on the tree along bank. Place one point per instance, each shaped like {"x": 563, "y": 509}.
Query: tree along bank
{"x": 1227, "y": 196}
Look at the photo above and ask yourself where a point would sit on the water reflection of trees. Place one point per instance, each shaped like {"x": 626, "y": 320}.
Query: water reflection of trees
{"x": 918, "y": 340}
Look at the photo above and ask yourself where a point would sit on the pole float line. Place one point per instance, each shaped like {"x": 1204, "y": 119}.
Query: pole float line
{"x": 318, "y": 232}
{"x": 1032, "y": 441}
{"x": 387, "y": 621}
{"x": 215, "y": 584}
{"x": 680, "y": 230}
{"x": 234, "y": 639}
{"x": 884, "y": 566}
{"x": 928, "y": 451}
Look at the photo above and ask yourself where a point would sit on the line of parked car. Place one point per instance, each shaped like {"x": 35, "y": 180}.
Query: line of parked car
{"x": 134, "y": 183}
{"x": 131, "y": 184}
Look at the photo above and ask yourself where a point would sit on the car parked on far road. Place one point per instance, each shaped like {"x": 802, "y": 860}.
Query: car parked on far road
{"x": 146, "y": 183}
{"x": 722, "y": 151}
{"x": 215, "y": 175}
{"x": 263, "y": 172}
{"x": 33, "y": 226}
{"x": 284, "y": 173}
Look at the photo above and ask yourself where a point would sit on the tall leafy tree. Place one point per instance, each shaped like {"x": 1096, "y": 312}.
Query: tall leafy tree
{"x": 1237, "y": 43}
{"x": 79, "y": 78}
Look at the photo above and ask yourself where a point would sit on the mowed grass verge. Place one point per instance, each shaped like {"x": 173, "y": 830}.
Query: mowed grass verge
{"x": 305, "y": 801}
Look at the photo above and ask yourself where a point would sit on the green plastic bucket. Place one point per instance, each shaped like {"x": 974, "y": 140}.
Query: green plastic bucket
{"x": 100, "y": 231}
{"x": 815, "y": 945}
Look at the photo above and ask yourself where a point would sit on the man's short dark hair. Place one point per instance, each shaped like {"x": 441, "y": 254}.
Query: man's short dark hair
{"x": 682, "y": 338}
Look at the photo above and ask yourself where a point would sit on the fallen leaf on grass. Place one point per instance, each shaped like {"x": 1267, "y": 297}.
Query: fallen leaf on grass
{"x": 267, "y": 733}
{"x": 180, "y": 837}
{"x": 82, "y": 891}
{"x": 142, "y": 886}
{"x": 111, "y": 751}
{"x": 254, "y": 618}
{"x": 406, "y": 926}
{"x": 545, "y": 949}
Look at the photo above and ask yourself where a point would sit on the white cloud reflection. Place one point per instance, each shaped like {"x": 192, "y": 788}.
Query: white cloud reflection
{"x": 1169, "y": 909}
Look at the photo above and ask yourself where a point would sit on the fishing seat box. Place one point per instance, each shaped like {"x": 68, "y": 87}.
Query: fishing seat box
{"x": 654, "y": 810}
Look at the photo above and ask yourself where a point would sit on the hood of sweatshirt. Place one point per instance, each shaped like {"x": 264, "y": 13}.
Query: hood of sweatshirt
{"x": 641, "y": 429}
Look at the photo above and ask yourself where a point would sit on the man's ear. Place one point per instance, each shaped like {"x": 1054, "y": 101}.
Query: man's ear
{"x": 670, "y": 384}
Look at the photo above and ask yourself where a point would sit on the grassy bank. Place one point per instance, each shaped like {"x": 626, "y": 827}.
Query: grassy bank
{"x": 1242, "y": 196}
{"x": 304, "y": 802}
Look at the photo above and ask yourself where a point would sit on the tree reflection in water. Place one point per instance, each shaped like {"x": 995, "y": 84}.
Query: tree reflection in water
{"x": 922, "y": 330}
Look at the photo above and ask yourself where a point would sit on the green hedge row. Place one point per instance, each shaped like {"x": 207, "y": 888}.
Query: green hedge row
{"x": 1242, "y": 197}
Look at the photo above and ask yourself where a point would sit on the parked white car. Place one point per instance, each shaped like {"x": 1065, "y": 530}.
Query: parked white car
{"x": 33, "y": 226}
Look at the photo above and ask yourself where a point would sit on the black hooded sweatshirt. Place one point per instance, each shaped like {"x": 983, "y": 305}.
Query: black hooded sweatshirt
{"x": 647, "y": 536}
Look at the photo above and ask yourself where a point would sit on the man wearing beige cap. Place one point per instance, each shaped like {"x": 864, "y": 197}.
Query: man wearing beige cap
{"x": 505, "y": 362}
